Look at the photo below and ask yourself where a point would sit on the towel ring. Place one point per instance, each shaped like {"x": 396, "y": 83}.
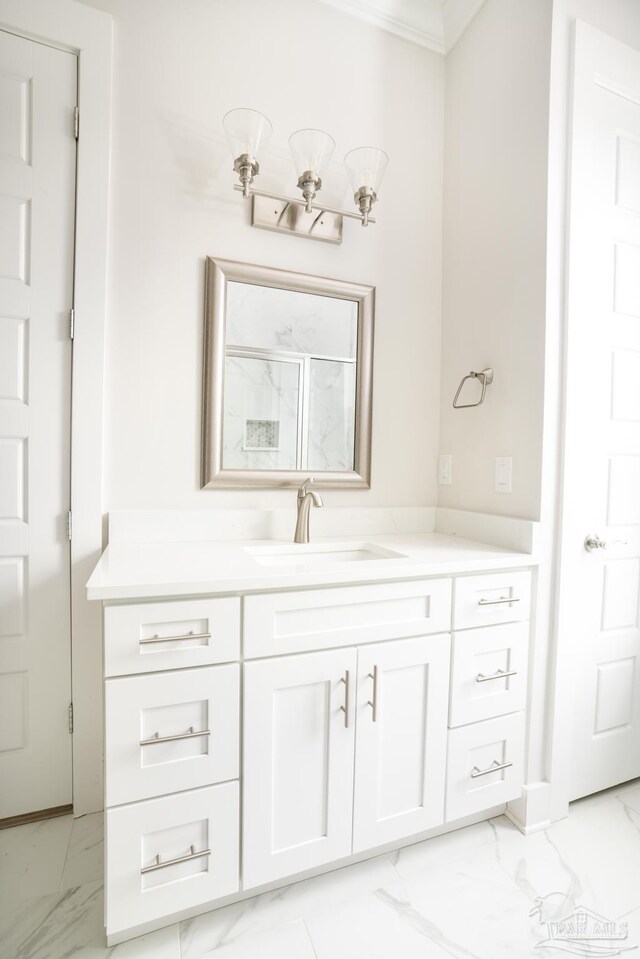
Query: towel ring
{"x": 485, "y": 377}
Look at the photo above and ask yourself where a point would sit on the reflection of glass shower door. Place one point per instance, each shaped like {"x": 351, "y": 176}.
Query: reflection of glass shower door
{"x": 262, "y": 413}
{"x": 288, "y": 411}
{"x": 331, "y": 415}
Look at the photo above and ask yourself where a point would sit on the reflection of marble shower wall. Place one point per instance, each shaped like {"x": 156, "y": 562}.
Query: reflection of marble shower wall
{"x": 260, "y": 390}
{"x": 282, "y": 320}
{"x": 331, "y": 415}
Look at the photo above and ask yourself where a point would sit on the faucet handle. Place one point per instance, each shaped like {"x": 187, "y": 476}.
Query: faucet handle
{"x": 304, "y": 489}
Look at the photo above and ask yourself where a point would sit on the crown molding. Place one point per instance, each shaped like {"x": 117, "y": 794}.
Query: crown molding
{"x": 419, "y": 23}
{"x": 434, "y": 24}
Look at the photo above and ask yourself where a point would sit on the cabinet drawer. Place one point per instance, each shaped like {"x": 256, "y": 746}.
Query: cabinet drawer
{"x": 196, "y": 837}
{"x": 496, "y": 598}
{"x": 153, "y": 636}
{"x": 171, "y": 731}
{"x": 322, "y": 618}
{"x": 489, "y": 674}
{"x": 473, "y": 782}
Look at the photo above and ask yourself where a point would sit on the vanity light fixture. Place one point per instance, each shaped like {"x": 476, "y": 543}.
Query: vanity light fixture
{"x": 249, "y": 131}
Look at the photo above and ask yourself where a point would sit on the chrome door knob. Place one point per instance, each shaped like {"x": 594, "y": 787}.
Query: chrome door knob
{"x": 593, "y": 541}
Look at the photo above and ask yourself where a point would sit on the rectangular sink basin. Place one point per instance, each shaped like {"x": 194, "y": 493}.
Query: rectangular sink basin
{"x": 312, "y": 556}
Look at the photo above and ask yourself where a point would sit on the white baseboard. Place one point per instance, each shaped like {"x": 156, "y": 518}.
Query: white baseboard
{"x": 531, "y": 813}
{"x": 527, "y": 830}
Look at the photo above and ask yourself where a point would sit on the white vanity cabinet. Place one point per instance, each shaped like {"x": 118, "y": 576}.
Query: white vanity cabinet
{"x": 250, "y": 738}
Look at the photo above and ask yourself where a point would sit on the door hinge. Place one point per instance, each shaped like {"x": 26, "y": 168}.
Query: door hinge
{"x": 72, "y": 323}
{"x": 76, "y": 122}
{"x": 69, "y": 525}
{"x": 70, "y": 717}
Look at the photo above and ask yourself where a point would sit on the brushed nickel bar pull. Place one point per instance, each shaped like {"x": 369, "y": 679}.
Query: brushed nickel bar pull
{"x": 157, "y": 738}
{"x": 374, "y": 701}
{"x": 171, "y": 639}
{"x": 497, "y": 602}
{"x": 158, "y": 864}
{"x": 345, "y": 708}
{"x": 500, "y": 674}
{"x": 493, "y": 768}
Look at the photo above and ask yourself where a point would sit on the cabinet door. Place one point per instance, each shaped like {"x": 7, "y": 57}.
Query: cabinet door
{"x": 401, "y": 739}
{"x": 298, "y": 763}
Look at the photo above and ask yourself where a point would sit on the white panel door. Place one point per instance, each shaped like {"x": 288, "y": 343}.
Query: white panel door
{"x": 599, "y": 588}
{"x": 298, "y": 763}
{"x": 37, "y": 181}
{"x": 401, "y": 739}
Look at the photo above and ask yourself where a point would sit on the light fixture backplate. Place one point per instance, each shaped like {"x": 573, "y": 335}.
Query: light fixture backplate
{"x": 282, "y": 217}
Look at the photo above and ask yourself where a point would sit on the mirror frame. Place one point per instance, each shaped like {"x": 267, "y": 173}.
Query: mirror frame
{"x": 218, "y": 274}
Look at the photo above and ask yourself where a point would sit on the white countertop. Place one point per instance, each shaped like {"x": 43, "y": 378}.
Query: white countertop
{"x": 155, "y": 570}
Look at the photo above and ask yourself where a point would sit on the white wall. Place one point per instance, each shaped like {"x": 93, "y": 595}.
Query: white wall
{"x": 495, "y": 164}
{"x": 179, "y": 66}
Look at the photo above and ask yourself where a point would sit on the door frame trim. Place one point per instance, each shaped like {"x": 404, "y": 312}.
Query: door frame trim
{"x": 86, "y": 32}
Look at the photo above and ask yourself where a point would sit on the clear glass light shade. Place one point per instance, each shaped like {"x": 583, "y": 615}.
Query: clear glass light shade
{"x": 311, "y": 150}
{"x": 247, "y": 131}
{"x": 366, "y": 166}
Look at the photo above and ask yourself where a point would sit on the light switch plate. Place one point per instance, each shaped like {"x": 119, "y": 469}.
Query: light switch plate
{"x": 444, "y": 469}
{"x": 504, "y": 470}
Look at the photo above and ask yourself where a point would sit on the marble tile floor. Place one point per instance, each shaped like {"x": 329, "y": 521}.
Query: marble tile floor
{"x": 467, "y": 895}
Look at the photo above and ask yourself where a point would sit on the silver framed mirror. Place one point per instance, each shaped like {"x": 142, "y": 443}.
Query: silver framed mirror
{"x": 288, "y": 376}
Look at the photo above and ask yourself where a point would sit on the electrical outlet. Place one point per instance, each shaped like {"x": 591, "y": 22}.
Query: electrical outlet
{"x": 444, "y": 469}
{"x": 504, "y": 471}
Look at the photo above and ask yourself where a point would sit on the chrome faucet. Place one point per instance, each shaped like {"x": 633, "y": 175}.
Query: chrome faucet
{"x": 306, "y": 499}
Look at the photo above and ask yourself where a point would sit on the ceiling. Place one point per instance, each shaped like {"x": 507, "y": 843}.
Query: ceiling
{"x": 435, "y": 24}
